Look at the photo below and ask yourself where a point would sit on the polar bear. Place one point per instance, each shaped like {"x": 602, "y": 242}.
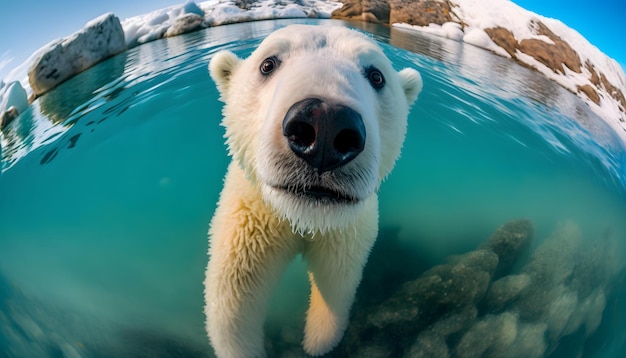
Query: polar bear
{"x": 315, "y": 119}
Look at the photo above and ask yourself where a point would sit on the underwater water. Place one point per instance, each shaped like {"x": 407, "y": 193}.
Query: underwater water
{"x": 109, "y": 182}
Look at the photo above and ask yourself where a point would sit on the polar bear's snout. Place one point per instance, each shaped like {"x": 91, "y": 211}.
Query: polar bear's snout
{"x": 326, "y": 135}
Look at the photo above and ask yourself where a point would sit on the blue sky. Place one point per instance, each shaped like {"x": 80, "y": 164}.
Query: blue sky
{"x": 27, "y": 25}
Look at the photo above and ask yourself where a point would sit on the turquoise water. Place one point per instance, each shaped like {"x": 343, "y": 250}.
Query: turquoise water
{"x": 109, "y": 182}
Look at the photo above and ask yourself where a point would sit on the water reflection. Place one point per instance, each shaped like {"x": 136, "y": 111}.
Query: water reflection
{"x": 493, "y": 82}
{"x": 484, "y": 70}
{"x": 59, "y": 103}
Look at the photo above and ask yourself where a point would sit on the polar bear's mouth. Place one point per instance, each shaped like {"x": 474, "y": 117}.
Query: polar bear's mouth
{"x": 320, "y": 194}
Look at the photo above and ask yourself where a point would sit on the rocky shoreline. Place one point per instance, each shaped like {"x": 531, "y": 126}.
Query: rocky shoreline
{"x": 103, "y": 37}
{"x": 553, "y": 52}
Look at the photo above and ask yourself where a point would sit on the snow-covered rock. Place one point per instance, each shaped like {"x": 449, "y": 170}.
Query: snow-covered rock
{"x": 171, "y": 21}
{"x": 544, "y": 44}
{"x": 13, "y": 101}
{"x": 101, "y": 38}
{"x": 168, "y": 21}
{"x": 184, "y": 24}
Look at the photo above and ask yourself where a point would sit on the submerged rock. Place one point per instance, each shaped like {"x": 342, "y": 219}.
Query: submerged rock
{"x": 529, "y": 342}
{"x": 506, "y": 290}
{"x": 101, "y": 38}
{"x": 550, "y": 265}
{"x": 509, "y": 241}
{"x": 490, "y": 336}
{"x": 420, "y": 316}
{"x": 432, "y": 341}
{"x": 464, "y": 309}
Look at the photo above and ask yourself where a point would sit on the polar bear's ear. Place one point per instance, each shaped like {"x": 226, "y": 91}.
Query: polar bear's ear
{"x": 411, "y": 82}
{"x": 222, "y": 67}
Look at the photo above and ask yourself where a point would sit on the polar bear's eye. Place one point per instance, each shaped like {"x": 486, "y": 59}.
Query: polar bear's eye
{"x": 269, "y": 65}
{"x": 375, "y": 77}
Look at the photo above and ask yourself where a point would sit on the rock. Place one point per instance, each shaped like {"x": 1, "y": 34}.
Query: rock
{"x": 553, "y": 51}
{"x": 615, "y": 92}
{"x": 189, "y": 18}
{"x": 351, "y": 9}
{"x": 451, "y": 286}
{"x": 244, "y": 4}
{"x": 590, "y": 92}
{"x": 457, "y": 309}
{"x": 442, "y": 298}
{"x": 429, "y": 345}
{"x": 432, "y": 342}
{"x": 13, "y": 95}
{"x": 505, "y": 291}
{"x": 420, "y": 12}
{"x": 397, "y": 314}
{"x": 560, "y": 311}
{"x": 593, "y": 309}
{"x": 13, "y": 101}
{"x": 8, "y": 116}
{"x": 455, "y": 322}
{"x": 503, "y": 38}
{"x": 550, "y": 265}
{"x": 489, "y": 337}
{"x": 413, "y": 12}
{"x": 555, "y": 55}
{"x": 374, "y": 351}
{"x": 376, "y": 11}
{"x": 530, "y": 342}
{"x": 509, "y": 242}
{"x": 100, "y": 39}
{"x": 568, "y": 278}
{"x": 185, "y": 23}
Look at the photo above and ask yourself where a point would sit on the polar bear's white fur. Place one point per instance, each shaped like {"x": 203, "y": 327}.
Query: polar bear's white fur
{"x": 286, "y": 192}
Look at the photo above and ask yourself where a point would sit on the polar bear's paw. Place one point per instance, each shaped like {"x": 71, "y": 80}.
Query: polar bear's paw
{"x": 323, "y": 329}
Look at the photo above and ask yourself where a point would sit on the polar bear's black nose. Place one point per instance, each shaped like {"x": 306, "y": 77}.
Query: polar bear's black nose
{"x": 325, "y": 135}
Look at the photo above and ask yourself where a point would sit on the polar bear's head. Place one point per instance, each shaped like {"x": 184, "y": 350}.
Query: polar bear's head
{"x": 316, "y": 117}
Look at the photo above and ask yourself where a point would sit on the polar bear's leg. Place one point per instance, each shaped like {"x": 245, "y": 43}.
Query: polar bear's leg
{"x": 335, "y": 263}
{"x": 250, "y": 249}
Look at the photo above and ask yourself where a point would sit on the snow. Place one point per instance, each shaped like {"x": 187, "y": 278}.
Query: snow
{"x": 478, "y": 37}
{"x": 476, "y": 15}
{"x": 451, "y": 30}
